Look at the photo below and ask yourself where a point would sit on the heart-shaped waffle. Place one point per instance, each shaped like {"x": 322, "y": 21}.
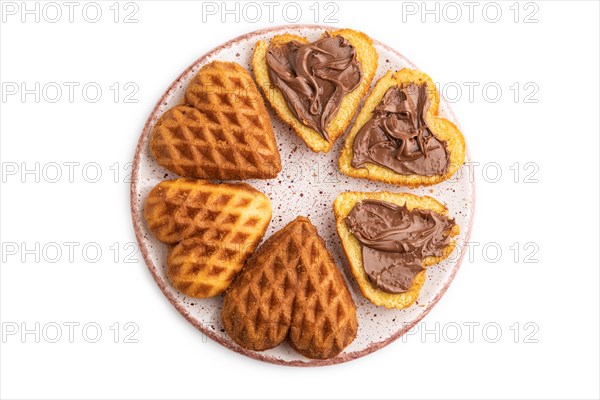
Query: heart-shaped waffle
{"x": 291, "y": 288}
{"x": 214, "y": 228}
{"x": 342, "y": 207}
{"x": 440, "y": 128}
{"x": 347, "y": 106}
{"x": 223, "y": 131}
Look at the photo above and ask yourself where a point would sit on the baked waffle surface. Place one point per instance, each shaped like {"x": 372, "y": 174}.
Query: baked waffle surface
{"x": 222, "y": 132}
{"x": 214, "y": 228}
{"x": 291, "y": 288}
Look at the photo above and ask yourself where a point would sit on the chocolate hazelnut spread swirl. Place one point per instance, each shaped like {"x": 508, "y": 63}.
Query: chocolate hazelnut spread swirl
{"x": 395, "y": 241}
{"x": 397, "y": 136}
{"x": 314, "y": 77}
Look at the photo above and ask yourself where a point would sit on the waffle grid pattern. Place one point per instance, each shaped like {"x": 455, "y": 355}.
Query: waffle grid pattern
{"x": 291, "y": 288}
{"x": 222, "y": 132}
{"x": 213, "y": 227}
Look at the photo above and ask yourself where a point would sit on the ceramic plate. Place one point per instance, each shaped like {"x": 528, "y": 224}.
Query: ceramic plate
{"x": 307, "y": 185}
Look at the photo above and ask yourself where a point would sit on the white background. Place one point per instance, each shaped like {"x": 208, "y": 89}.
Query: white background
{"x": 558, "y": 54}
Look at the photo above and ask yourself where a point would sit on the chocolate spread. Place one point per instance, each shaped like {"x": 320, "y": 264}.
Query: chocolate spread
{"x": 397, "y": 135}
{"x": 395, "y": 241}
{"x": 314, "y": 77}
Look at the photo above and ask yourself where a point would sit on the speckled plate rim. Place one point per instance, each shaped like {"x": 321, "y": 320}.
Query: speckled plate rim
{"x": 138, "y": 218}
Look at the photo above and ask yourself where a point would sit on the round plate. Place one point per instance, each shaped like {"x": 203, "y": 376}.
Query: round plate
{"x": 307, "y": 185}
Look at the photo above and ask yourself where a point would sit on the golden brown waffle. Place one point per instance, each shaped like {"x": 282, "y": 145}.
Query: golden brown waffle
{"x": 216, "y": 227}
{"x": 291, "y": 288}
{"x": 223, "y": 131}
